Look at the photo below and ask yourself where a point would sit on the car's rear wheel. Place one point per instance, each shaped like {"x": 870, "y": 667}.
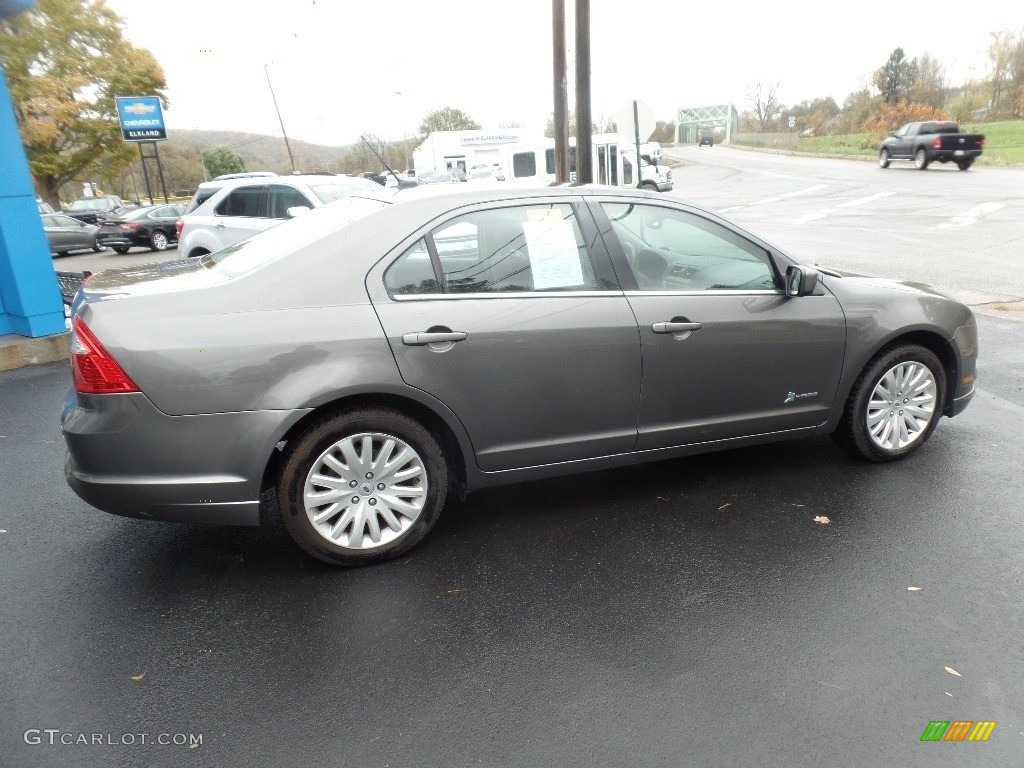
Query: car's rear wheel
{"x": 921, "y": 159}
{"x": 197, "y": 252}
{"x": 963, "y": 165}
{"x": 122, "y": 249}
{"x": 895, "y": 404}
{"x": 96, "y": 246}
{"x": 158, "y": 241}
{"x": 883, "y": 159}
{"x": 362, "y": 486}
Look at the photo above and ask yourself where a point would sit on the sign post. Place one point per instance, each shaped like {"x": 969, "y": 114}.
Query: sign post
{"x": 641, "y": 116}
{"x": 142, "y": 122}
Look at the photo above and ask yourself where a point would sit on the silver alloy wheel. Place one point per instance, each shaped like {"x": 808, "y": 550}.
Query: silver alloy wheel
{"x": 920, "y": 159}
{"x": 365, "y": 491}
{"x": 902, "y": 405}
{"x": 883, "y": 159}
{"x": 159, "y": 240}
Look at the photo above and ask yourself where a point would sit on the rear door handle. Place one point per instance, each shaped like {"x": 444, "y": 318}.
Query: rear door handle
{"x": 675, "y": 327}
{"x": 422, "y": 339}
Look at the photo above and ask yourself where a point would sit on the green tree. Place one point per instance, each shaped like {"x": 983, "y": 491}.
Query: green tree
{"x": 448, "y": 119}
{"x": 65, "y": 62}
{"x": 221, "y": 160}
{"x": 896, "y": 77}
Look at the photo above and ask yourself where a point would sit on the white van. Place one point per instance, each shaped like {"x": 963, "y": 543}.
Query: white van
{"x": 614, "y": 162}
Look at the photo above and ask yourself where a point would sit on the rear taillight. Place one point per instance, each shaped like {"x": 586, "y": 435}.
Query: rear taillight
{"x": 129, "y": 225}
{"x": 937, "y": 142}
{"x": 178, "y": 226}
{"x": 982, "y": 142}
{"x": 94, "y": 371}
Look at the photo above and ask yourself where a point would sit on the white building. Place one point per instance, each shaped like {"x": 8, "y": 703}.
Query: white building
{"x": 447, "y": 150}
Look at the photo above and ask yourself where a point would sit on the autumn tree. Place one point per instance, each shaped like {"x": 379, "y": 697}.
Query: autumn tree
{"x": 895, "y": 78}
{"x": 448, "y": 119}
{"x": 930, "y": 82}
{"x": 65, "y": 62}
{"x": 221, "y": 160}
{"x": 889, "y": 117}
{"x": 763, "y": 99}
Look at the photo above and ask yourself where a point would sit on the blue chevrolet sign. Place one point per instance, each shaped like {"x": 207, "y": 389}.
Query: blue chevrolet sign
{"x": 142, "y": 118}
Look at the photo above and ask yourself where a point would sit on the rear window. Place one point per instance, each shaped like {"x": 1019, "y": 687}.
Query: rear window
{"x": 200, "y": 197}
{"x": 284, "y": 239}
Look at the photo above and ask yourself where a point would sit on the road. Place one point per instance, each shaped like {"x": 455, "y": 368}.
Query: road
{"x": 962, "y": 232}
{"x": 689, "y": 612}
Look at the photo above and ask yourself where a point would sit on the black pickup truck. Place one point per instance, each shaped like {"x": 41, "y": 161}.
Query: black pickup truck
{"x": 926, "y": 143}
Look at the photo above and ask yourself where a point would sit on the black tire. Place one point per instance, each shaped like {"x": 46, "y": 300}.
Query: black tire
{"x": 921, "y": 159}
{"x": 97, "y": 247}
{"x": 122, "y": 249}
{"x": 650, "y": 186}
{"x": 306, "y": 450}
{"x": 158, "y": 241}
{"x": 195, "y": 254}
{"x": 853, "y": 435}
{"x": 62, "y": 253}
{"x": 963, "y": 165}
{"x": 883, "y": 159}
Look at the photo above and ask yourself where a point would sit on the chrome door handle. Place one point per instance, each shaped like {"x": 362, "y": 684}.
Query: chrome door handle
{"x": 220, "y": 225}
{"x": 675, "y": 327}
{"x": 422, "y": 339}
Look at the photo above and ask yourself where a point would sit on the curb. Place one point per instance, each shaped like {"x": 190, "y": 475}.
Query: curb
{"x": 19, "y": 351}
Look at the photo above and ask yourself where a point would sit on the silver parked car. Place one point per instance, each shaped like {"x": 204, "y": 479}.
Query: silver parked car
{"x": 378, "y": 355}
{"x": 65, "y": 234}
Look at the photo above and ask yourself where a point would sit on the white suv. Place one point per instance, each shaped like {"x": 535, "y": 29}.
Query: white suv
{"x": 224, "y": 212}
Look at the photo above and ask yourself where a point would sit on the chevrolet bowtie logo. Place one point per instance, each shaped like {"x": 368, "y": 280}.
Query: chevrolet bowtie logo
{"x": 138, "y": 108}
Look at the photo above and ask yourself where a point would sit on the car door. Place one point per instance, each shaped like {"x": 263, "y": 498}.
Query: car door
{"x": 55, "y": 235}
{"x": 905, "y": 140}
{"x": 503, "y": 314}
{"x": 726, "y": 353}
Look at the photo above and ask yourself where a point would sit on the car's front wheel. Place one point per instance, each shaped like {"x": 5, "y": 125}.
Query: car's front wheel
{"x": 122, "y": 249}
{"x": 97, "y": 247}
{"x": 883, "y": 159}
{"x": 362, "y": 486}
{"x": 895, "y": 404}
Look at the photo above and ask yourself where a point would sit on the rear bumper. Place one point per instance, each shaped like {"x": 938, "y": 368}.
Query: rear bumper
{"x": 128, "y": 458}
{"x": 111, "y": 240}
{"x": 961, "y": 402}
{"x": 946, "y": 155}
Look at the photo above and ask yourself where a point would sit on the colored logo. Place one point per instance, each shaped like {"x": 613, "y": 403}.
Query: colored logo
{"x": 139, "y": 108}
{"x": 958, "y": 730}
{"x": 793, "y": 396}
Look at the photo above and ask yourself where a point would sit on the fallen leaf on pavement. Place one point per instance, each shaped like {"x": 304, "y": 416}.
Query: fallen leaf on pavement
{"x": 798, "y": 505}
{"x": 913, "y": 589}
{"x": 2, "y": 530}
{"x": 948, "y": 694}
{"x": 822, "y": 520}
{"x": 662, "y": 498}
{"x": 727, "y": 504}
{"x": 137, "y": 678}
{"x": 193, "y": 746}
{"x": 953, "y": 672}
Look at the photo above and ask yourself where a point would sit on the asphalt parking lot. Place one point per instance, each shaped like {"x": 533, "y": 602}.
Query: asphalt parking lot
{"x": 689, "y": 612}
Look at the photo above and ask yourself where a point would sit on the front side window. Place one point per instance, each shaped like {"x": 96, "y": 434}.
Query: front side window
{"x": 529, "y": 248}
{"x": 282, "y": 197}
{"x": 671, "y": 250}
{"x": 244, "y": 201}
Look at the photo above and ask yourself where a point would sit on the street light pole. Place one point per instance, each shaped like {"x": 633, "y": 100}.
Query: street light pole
{"x": 279, "y": 119}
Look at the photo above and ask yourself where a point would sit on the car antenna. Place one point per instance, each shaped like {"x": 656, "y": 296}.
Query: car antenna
{"x": 380, "y": 158}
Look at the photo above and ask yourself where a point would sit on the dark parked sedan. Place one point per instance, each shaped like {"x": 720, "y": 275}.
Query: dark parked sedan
{"x": 376, "y": 356}
{"x": 65, "y": 234}
{"x": 150, "y": 227}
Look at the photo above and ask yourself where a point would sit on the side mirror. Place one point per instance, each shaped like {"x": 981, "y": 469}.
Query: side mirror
{"x": 297, "y": 210}
{"x": 801, "y": 281}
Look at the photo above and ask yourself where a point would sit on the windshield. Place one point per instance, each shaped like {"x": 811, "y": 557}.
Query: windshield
{"x": 333, "y": 190}
{"x": 201, "y": 196}
{"x": 89, "y": 204}
{"x": 440, "y": 178}
{"x": 480, "y": 174}
{"x": 286, "y": 238}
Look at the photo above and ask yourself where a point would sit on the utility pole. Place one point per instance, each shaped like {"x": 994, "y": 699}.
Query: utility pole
{"x": 279, "y": 119}
{"x": 584, "y": 125}
{"x": 561, "y": 93}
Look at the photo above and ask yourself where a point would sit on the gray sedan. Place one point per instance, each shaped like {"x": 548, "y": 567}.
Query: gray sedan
{"x": 65, "y": 234}
{"x": 380, "y": 355}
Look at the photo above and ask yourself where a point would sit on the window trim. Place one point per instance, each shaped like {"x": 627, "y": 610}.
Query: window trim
{"x": 600, "y": 259}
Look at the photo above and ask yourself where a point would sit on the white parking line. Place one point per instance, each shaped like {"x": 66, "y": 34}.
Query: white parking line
{"x": 842, "y": 206}
{"x": 775, "y": 199}
{"x": 971, "y": 216}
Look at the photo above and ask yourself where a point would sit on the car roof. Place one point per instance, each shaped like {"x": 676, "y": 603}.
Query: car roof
{"x": 301, "y": 178}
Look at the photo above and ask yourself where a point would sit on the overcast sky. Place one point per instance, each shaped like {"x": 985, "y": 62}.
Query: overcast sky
{"x": 338, "y": 63}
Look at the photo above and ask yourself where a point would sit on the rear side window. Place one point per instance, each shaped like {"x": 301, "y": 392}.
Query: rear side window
{"x": 530, "y": 248}
{"x": 244, "y": 201}
{"x": 200, "y": 197}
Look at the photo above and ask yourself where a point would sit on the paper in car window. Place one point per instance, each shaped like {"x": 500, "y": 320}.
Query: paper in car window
{"x": 554, "y": 258}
